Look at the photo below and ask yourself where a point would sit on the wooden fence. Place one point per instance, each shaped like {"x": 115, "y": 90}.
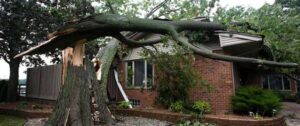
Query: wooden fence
{"x": 44, "y": 82}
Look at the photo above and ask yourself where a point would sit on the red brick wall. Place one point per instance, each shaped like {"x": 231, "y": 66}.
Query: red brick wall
{"x": 217, "y": 73}
{"x": 146, "y": 96}
{"x": 293, "y": 86}
{"x": 219, "y": 76}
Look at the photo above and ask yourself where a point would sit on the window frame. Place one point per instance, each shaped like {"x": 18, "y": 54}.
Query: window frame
{"x": 145, "y": 82}
{"x": 282, "y": 82}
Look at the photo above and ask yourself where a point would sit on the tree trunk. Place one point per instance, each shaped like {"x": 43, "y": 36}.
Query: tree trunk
{"x": 12, "y": 93}
{"x": 105, "y": 56}
{"x": 73, "y": 104}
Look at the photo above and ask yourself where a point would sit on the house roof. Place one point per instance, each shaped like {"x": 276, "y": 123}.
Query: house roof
{"x": 239, "y": 44}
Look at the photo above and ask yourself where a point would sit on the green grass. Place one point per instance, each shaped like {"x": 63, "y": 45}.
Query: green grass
{"x": 11, "y": 121}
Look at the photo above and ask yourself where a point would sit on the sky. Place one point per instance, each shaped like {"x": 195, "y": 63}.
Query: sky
{"x": 4, "y": 67}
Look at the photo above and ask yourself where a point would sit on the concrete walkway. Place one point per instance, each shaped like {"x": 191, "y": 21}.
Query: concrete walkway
{"x": 291, "y": 111}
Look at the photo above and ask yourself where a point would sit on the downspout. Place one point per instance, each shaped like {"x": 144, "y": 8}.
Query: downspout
{"x": 121, "y": 88}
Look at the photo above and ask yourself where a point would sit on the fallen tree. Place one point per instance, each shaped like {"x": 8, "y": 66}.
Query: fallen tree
{"x": 102, "y": 25}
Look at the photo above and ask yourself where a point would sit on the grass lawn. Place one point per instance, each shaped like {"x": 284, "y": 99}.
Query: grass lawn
{"x": 11, "y": 121}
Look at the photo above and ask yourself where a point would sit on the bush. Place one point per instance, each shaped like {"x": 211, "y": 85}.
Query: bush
{"x": 22, "y": 105}
{"x": 194, "y": 123}
{"x": 176, "y": 106}
{"x": 285, "y": 95}
{"x": 257, "y": 100}
{"x": 3, "y": 90}
{"x": 201, "y": 107}
{"x": 124, "y": 105}
{"x": 175, "y": 74}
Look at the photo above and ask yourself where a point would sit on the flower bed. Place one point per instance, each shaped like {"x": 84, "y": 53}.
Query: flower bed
{"x": 220, "y": 120}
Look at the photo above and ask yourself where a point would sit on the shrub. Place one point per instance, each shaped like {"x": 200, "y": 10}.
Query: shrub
{"x": 176, "y": 106}
{"x": 22, "y": 105}
{"x": 285, "y": 95}
{"x": 175, "y": 75}
{"x": 194, "y": 123}
{"x": 124, "y": 104}
{"x": 257, "y": 100}
{"x": 3, "y": 90}
{"x": 201, "y": 107}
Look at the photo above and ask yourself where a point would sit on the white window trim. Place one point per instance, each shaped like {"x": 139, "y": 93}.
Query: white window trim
{"x": 145, "y": 75}
{"x": 282, "y": 83}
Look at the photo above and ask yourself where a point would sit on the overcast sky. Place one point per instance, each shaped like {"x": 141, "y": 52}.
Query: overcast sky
{"x": 4, "y": 68}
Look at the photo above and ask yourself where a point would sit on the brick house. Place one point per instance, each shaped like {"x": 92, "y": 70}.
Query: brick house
{"x": 134, "y": 72}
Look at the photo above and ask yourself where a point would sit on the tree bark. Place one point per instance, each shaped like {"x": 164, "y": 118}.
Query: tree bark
{"x": 105, "y": 57}
{"x": 12, "y": 93}
{"x": 73, "y": 103}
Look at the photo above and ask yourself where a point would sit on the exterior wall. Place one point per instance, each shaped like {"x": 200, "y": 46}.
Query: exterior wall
{"x": 219, "y": 75}
{"x": 146, "y": 96}
{"x": 293, "y": 86}
{"x": 255, "y": 77}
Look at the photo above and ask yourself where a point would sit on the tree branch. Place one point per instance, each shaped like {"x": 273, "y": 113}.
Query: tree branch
{"x": 110, "y": 7}
{"x": 111, "y": 25}
{"x": 156, "y": 8}
{"x": 216, "y": 56}
{"x": 134, "y": 43}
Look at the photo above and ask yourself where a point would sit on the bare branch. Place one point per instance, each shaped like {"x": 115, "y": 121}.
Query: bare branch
{"x": 5, "y": 59}
{"x": 156, "y": 8}
{"x": 109, "y": 4}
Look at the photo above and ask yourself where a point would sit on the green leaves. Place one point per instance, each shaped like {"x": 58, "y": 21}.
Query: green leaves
{"x": 279, "y": 25}
{"x": 256, "y": 100}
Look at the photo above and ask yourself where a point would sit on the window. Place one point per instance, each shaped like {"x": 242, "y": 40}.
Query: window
{"x": 276, "y": 82}
{"x": 135, "y": 102}
{"x": 139, "y": 73}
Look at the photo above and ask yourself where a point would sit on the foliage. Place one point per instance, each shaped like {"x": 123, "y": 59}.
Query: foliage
{"x": 279, "y": 23}
{"x": 124, "y": 105}
{"x": 22, "y": 105}
{"x": 3, "y": 90}
{"x": 201, "y": 107}
{"x": 175, "y": 73}
{"x": 23, "y": 24}
{"x": 11, "y": 121}
{"x": 186, "y": 9}
{"x": 171, "y": 9}
{"x": 253, "y": 99}
{"x": 285, "y": 95}
{"x": 194, "y": 123}
{"x": 176, "y": 106}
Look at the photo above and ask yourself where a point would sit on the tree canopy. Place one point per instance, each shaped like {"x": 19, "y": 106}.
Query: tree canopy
{"x": 279, "y": 23}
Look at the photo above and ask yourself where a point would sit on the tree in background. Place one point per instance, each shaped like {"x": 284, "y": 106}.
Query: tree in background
{"x": 23, "y": 24}
{"x": 279, "y": 23}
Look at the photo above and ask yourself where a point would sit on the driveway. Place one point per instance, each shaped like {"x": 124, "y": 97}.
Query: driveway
{"x": 291, "y": 111}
